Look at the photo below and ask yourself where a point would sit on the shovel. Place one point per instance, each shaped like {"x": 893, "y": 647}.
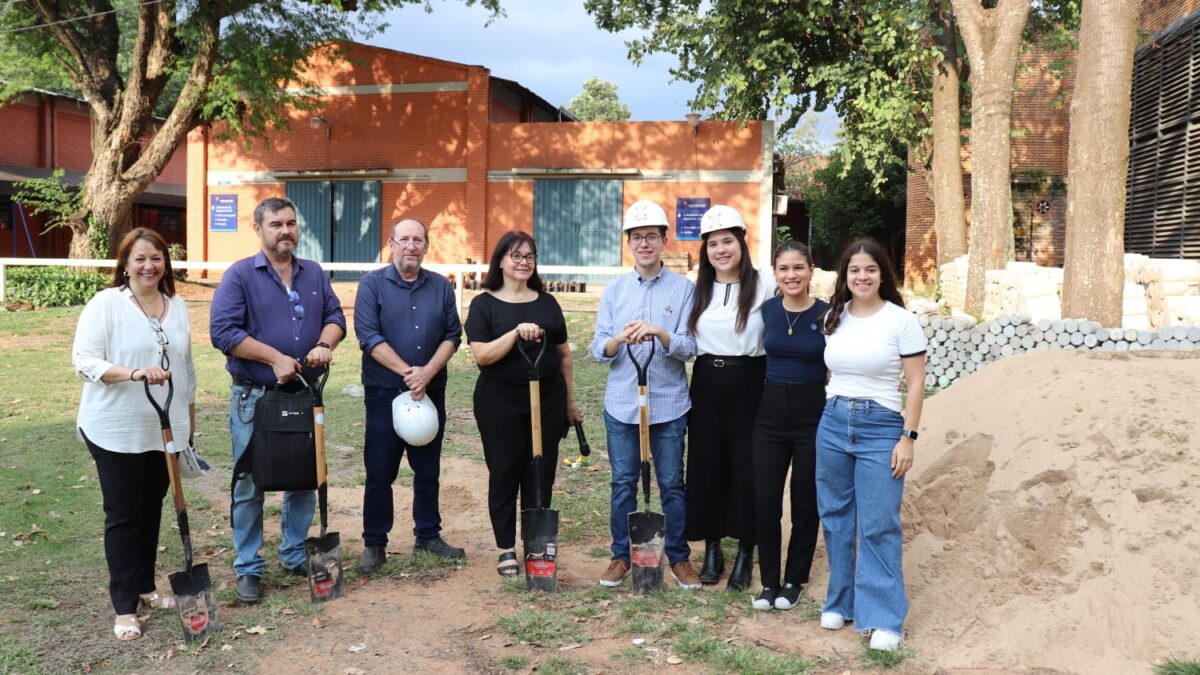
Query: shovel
{"x": 324, "y": 553}
{"x": 539, "y": 526}
{"x": 192, "y": 586}
{"x": 646, "y": 529}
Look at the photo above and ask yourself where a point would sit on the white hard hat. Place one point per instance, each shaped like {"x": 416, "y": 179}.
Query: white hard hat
{"x": 645, "y": 213}
{"x": 191, "y": 464}
{"x": 414, "y": 421}
{"x": 721, "y": 217}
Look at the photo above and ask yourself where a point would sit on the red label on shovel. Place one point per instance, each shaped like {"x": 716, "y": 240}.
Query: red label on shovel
{"x": 322, "y": 587}
{"x": 540, "y": 568}
{"x": 645, "y": 557}
{"x": 197, "y": 622}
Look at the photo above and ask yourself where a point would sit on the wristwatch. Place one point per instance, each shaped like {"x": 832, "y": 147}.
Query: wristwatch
{"x": 325, "y": 345}
{"x": 909, "y": 432}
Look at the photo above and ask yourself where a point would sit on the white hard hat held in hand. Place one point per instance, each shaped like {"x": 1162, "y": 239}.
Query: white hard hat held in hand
{"x": 721, "y": 217}
{"x": 414, "y": 421}
{"x": 644, "y": 213}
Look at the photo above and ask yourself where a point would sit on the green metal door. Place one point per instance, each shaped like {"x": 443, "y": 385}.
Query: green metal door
{"x": 312, "y": 202}
{"x": 357, "y": 215}
{"x": 578, "y": 222}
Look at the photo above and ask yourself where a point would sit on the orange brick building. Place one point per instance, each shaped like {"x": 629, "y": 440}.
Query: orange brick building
{"x": 472, "y": 156}
{"x": 1041, "y": 136}
{"x": 45, "y": 131}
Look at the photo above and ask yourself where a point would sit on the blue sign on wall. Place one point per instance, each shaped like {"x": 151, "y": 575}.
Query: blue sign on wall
{"x": 222, "y": 213}
{"x": 688, "y": 211}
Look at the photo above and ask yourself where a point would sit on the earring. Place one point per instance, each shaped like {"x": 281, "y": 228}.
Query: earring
{"x": 125, "y": 273}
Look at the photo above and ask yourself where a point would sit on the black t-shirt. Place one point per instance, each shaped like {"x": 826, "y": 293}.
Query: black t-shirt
{"x": 489, "y": 317}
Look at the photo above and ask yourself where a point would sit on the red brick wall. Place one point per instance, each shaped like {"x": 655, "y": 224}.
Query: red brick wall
{"x": 1156, "y": 15}
{"x": 20, "y": 123}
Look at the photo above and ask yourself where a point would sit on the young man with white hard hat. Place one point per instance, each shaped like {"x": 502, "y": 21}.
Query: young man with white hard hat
{"x": 650, "y": 303}
{"x": 406, "y": 321}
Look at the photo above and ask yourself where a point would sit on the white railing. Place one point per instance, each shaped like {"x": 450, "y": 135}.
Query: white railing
{"x": 457, "y": 272}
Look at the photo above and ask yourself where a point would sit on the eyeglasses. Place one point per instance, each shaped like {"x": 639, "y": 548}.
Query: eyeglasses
{"x": 160, "y": 336}
{"x": 638, "y": 239}
{"x": 530, "y": 258}
{"x": 415, "y": 243}
{"x": 297, "y": 308}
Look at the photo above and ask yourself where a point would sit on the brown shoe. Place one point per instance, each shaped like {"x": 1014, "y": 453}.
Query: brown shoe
{"x": 615, "y": 574}
{"x": 686, "y": 576}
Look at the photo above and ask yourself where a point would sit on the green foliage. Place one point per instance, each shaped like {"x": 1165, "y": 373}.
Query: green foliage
{"x": 868, "y": 59}
{"x": 1174, "y": 666}
{"x": 51, "y": 286}
{"x": 514, "y": 662}
{"x": 598, "y": 102}
{"x": 178, "y": 252}
{"x": 561, "y": 666}
{"x": 844, "y": 203}
{"x": 61, "y": 201}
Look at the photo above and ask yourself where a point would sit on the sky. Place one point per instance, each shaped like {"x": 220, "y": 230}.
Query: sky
{"x": 551, "y": 48}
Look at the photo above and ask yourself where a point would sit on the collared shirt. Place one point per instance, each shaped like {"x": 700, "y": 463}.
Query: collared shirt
{"x": 663, "y": 300}
{"x": 252, "y": 301}
{"x": 413, "y": 317}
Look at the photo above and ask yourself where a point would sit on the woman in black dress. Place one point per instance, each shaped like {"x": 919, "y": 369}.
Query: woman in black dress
{"x": 515, "y": 308}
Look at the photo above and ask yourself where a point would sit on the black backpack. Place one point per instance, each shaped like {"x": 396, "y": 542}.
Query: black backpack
{"x": 283, "y": 448}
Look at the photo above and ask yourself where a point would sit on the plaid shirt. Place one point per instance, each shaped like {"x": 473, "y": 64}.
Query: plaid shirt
{"x": 663, "y": 300}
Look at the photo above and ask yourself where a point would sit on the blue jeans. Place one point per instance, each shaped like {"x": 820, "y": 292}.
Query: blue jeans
{"x": 298, "y": 507}
{"x": 859, "y": 504}
{"x": 624, "y": 454}
{"x": 382, "y": 452}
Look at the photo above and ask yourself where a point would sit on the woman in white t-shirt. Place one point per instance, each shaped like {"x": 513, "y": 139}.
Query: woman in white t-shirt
{"x": 727, "y": 384}
{"x": 865, "y": 444}
{"x": 129, "y": 335}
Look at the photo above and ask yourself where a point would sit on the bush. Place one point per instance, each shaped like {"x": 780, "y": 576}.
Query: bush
{"x": 52, "y": 286}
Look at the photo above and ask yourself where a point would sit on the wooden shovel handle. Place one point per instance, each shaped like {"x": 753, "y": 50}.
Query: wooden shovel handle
{"x": 535, "y": 415}
{"x": 644, "y": 423}
{"x": 319, "y": 437}
{"x": 173, "y": 471}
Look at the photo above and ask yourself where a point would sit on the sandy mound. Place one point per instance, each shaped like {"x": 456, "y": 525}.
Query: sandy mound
{"x": 1050, "y": 516}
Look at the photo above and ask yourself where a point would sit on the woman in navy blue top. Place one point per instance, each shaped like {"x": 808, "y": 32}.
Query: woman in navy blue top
{"x": 786, "y": 427}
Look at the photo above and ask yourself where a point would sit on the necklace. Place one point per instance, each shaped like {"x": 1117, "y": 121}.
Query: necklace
{"x": 790, "y": 321}
{"x": 788, "y": 316}
{"x": 153, "y": 319}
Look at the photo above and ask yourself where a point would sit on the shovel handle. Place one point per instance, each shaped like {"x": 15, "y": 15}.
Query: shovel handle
{"x": 584, "y": 448}
{"x": 181, "y": 517}
{"x": 535, "y": 415}
{"x": 319, "y": 440}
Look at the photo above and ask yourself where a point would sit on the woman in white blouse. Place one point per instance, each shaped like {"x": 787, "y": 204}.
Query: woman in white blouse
{"x": 134, "y": 332}
{"x": 727, "y": 383}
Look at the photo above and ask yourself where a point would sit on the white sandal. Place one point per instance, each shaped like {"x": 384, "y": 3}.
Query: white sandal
{"x": 127, "y": 629}
{"x": 156, "y": 601}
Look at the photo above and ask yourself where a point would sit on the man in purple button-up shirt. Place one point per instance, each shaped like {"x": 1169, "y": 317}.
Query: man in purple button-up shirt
{"x": 406, "y": 321}
{"x": 272, "y": 315}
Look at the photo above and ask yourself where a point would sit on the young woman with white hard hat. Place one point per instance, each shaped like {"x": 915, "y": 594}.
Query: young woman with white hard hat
{"x": 727, "y": 383}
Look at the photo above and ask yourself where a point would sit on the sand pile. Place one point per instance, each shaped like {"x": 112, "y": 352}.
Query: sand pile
{"x": 1051, "y": 516}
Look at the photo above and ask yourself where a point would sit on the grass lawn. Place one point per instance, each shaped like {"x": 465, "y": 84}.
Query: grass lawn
{"x": 55, "y": 614}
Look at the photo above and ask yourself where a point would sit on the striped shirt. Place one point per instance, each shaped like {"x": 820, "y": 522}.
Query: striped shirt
{"x": 665, "y": 301}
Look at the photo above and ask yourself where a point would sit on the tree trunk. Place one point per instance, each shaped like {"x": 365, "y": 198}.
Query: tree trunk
{"x": 992, "y": 38}
{"x": 946, "y": 176}
{"x": 1098, "y": 163}
{"x": 81, "y": 243}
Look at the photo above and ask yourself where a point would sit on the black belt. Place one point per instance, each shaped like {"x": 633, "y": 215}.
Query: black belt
{"x": 290, "y": 387}
{"x": 727, "y": 361}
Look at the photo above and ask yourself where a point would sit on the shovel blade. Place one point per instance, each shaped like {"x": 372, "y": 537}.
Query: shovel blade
{"x": 195, "y": 602}
{"x": 539, "y": 535}
{"x": 646, "y": 533}
{"x": 324, "y": 556}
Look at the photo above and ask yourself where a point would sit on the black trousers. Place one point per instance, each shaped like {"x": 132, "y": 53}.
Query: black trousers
{"x": 720, "y": 492}
{"x": 503, "y": 415}
{"x": 133, "y": 486}
{"x": 785, "y": 436}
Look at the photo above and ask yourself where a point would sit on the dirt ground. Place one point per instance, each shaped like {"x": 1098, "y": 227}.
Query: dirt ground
{"x": 1048, "y": 526}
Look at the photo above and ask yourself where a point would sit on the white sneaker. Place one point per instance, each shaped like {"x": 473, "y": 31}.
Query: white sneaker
{"x": 884, "y": 640}
{"x": 832, "y": 620}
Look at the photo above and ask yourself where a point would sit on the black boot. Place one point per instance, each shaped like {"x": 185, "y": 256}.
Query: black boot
{"x": 714, "y": 562}
{"x": 739, "y": 578}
